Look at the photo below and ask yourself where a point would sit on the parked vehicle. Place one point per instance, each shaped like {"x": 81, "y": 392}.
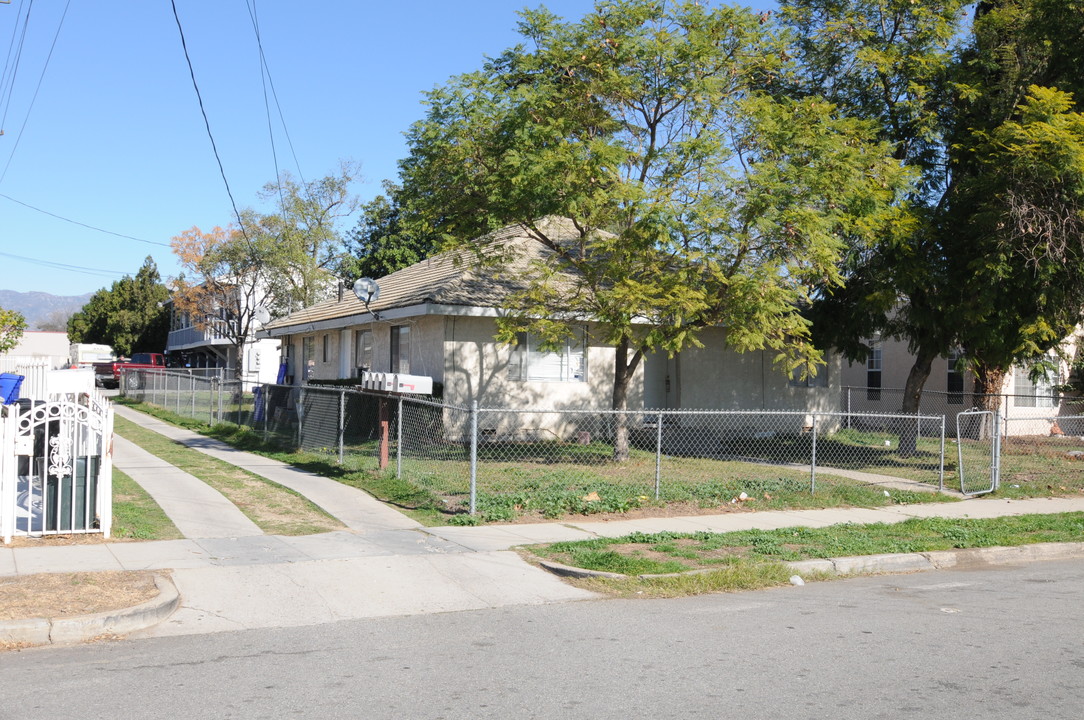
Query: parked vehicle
{"x": 109, "y": 374}
{"x": 87, "y": 354}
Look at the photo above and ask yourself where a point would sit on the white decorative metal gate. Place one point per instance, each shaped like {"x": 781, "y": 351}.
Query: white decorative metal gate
{"x": 56, "y": 467}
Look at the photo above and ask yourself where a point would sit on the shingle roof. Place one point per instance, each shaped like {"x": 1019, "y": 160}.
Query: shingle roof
{"x": 448, "y": 278}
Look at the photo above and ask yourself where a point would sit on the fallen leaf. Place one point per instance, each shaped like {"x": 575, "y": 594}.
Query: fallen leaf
{"x": 592, "y": 497}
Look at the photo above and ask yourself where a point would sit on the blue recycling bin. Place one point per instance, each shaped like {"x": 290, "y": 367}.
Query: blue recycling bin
{"x": 257, "y": 394}
{"x": 9, "y": 387}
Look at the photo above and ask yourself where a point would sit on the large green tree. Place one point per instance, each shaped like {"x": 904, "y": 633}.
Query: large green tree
{"x": 1015, "y": 211}
{"x": 891, "y": 61}
{"x": 952, "y": 104}
{"x": 130, "y": 316}
{"x": 695, "y": 193}
{"x": 381, "y": 243}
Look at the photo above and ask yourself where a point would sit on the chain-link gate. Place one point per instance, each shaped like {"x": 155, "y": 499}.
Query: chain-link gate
{"x": 978, "y": 440}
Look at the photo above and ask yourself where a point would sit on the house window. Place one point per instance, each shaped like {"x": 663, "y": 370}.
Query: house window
{"x": 1037, "y": 393}
{"x": 324, "y": 348}
{"x": 873, "y": 375}
{"x": 565, "y": 363}
{"x": 400, "y": 349}
{"x": 818, "y": 380}
{"x": 954, "y": 380}
{"x": 363, "y": 350}
{"x": 308, "y": 357}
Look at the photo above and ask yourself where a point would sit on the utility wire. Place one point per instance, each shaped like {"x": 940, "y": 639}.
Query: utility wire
{"x": 206, "y": 122}
{"x": 7, "y": 59}
{"x": 15, "y": 68}
{"x": 265, "y": 74}
{"x": 37, "y": 88}
{"x": 62, "y": 266}
{"x": 82, "y": 224}
{"x": 275, "y": 95}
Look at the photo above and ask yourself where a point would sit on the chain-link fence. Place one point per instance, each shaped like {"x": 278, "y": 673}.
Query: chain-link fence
{"x": 1019, "y": 415}
{"x": 467, "y": 457}
{"x": 209, "y": 400}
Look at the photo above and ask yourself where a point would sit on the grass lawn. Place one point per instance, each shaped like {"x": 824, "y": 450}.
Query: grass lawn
{"x": 275, "y": 509}
{"x": 136, "y": 515}
{"x": 552, "y": 479}
{"x": 752, "y": 554}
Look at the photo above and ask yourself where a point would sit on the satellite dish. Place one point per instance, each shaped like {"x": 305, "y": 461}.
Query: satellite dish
{"x": 367, "y": 290}
{"x": 262, "y": 315}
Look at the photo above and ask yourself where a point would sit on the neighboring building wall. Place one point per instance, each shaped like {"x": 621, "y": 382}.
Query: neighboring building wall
{"x": 35, "y": 346}
{"x": 1026, "y": 409}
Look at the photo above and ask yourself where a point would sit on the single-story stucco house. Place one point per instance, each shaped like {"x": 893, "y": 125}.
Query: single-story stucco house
{"x": 437, "y": 318}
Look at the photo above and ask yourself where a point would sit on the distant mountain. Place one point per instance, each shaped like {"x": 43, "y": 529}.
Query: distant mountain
{"x": 39, "y": 307}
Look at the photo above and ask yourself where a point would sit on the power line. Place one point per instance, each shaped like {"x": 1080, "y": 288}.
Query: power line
{"x": 265, "y": 75}
{"x": 206, "y": 122}
{"x": 61, "y": 266}
{"x": 37, "y": 88}
{"x": 15, "y": 68}
{"x": 82, "y": 224}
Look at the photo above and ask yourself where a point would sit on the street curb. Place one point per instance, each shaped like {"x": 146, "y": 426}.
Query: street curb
{"x": 41, "y": 631}
{"x": 887, "y": 564}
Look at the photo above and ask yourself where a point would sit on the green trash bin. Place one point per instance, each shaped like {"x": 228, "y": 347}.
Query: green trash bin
{"x": 60, "y": 497}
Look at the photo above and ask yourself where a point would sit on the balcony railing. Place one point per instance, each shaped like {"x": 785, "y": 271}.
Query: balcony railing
{"x": 193, "y": 336}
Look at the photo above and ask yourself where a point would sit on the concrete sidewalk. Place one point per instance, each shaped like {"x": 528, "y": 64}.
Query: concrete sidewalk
{"x": 384, "y": 564}
{"x": 357, "y": 510}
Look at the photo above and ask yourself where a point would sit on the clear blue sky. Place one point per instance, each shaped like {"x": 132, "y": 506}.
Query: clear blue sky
{"x": 115, "y": 138}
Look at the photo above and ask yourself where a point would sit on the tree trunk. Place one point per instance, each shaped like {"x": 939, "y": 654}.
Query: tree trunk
{"x": 623, "y": 371}
{"x": 912, "y": 398}
{"x": 987, "y": 396}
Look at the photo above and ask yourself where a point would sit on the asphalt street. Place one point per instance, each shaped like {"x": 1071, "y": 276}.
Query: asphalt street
{"x": 1005, "y": 642}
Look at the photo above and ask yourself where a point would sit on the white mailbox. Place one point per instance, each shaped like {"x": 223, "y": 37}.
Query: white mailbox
{"x": 397, "y": 383}
{"x": 414, "y": 384}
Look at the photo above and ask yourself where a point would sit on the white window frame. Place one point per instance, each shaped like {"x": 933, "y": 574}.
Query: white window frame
{"x": 530, "y": 363}
{"x": 1034, "y": 394}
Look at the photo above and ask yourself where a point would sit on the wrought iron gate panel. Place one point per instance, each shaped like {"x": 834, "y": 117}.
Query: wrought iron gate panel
{"x": 62, "y": 455}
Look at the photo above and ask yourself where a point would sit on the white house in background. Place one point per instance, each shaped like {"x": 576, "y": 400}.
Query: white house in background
{"x": 438, "y": 318}
{"x": 1028, "y": 407}
{"x": 209, "y": 350}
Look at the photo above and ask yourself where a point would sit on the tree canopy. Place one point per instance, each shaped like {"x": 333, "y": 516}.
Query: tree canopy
{"x": 381, "y": 243}
{"x": 700, "y": 193}
{"x": 130, "y": 316}
{"x": 958, "y": 109}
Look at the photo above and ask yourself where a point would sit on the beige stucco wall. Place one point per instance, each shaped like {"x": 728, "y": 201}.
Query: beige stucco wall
{"x": 476, "y": 368}
{"x": 1019, "y": 416}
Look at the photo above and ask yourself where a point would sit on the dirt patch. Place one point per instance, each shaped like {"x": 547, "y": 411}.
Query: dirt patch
{"x": 54, "y": 595}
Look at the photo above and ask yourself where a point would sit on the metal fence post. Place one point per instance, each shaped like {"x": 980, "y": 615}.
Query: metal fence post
{"x": 473, "y": 456}
{"x": 658, "y": 456}
{"x": 192, "y": 385}
{"x": 220, "y": 401}
{"x": 941, "y": 471}
{"x": 211, "y": 401}
{"x": 399, "y": 440}
{"x": 266, "y": 413}
{"x": 342, "y": 423}
{"x": 996, "y": 467}
{"x": 813, "y": 459}
{"x": 848, "y": 408}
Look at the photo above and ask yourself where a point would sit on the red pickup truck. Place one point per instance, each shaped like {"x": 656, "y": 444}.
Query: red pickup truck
{"x": 109, "y": 374}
